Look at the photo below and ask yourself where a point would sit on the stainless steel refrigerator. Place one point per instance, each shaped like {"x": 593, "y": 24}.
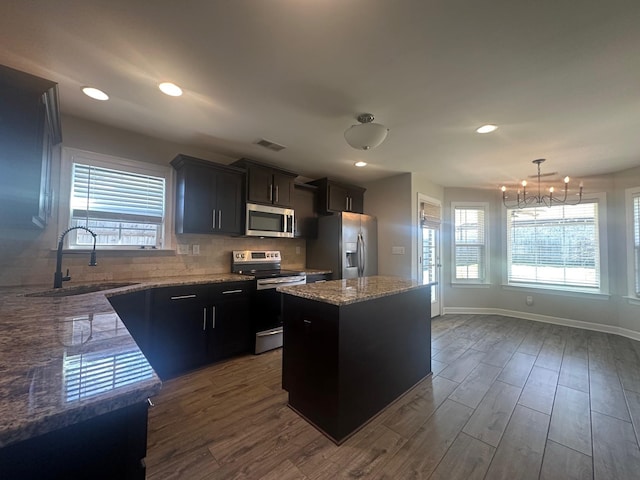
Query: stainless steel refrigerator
{"x": 347, "y": 243}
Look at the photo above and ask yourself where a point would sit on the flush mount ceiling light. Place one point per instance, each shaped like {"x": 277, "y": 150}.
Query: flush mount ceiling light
{"x": 360, "y": 164}
{"x": 95, "y": 93}
{"x": 487, "y": 128}
{"x": 366, "y": 135}
{"x": 170, "y": 89}
{"x": 523, "y": 200}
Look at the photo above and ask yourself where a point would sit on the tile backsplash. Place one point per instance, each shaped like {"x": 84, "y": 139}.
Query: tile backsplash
{"x": 28, "y": 258}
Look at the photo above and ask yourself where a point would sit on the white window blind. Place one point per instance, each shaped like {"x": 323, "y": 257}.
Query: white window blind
{"x": 636, "y": 239}
{"x": 470, "y": 243}
{"x": 556, "y": 245}
{"x": 123, "y": 208}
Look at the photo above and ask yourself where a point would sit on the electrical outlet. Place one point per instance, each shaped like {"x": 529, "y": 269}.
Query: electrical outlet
{"x": 529, "y": 300}
{"x": 195, "y": 249}
{"x": 183, "y": 249}
{"x": 397, "y": 250}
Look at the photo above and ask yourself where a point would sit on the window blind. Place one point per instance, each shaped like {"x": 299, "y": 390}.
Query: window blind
{"x": 556, "y": 245}
{"x": 470, "y": 250}
{"x": 430, "y": 213}
{"x": 102, "y": 193}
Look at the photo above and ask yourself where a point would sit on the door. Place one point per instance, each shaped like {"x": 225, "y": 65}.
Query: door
{"x": 429, "y": 266}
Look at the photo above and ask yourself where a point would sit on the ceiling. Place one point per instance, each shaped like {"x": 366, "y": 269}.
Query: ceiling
{"x": 561, "y": 79}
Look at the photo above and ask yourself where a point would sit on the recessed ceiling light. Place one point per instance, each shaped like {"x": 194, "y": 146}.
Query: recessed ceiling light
{"x": 170, "y": 89}
{"x": 361, "y": 164}
{"x": 487, "y": 128}
{"x": 95, "y": 93}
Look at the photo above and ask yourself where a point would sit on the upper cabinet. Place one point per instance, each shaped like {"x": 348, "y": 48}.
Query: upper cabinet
{"x": 29, "y": 129}
{"x": 209, "y": 197}
{"x": 268, "y": 185}
{"x": 339, "y": 197}
{"x": 305, "y": 204}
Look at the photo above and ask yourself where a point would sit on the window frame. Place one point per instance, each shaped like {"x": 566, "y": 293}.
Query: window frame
{"x": 72, "y": 155}
{"x": 633, "y": 255}
{"x": 600, "y": 200}
{"x": 484, "y": 277}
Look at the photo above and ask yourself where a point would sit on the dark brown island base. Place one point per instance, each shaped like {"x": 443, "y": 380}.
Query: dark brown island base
{"x": 351, "y": 347}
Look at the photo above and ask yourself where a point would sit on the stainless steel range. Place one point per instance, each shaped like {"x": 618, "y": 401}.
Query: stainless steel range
{"x": 267, "y": 313}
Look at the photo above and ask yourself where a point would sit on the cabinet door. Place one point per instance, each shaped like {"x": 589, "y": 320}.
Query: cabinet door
{"x": 282, "y": 189}
{"x": 305, "y": 206}
{"x": 179, "y": 330}
{"x": 260, "y": 184}
{"x": 229, "y": 203}
{"x": 337, "y": 198}
{"x": 356, "y": 201}
{"x": 196, "y": 184}
{"x": 230, "y": 324}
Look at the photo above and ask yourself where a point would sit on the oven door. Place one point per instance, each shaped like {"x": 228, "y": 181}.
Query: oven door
{"x": 264, "y": 221}
{"x": 267, "y": 315}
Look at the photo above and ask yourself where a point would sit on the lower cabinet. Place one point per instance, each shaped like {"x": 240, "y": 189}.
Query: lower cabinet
{"x": 193, "y": 325}
{"x": 109, "y": 446}
{"x": 318, "y": 277}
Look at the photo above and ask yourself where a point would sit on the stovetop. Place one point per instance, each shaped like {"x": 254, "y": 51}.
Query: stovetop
{"x": 260, "y": 263}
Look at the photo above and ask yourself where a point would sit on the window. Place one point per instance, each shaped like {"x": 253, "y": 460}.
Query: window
{"x": 470, "y": 249}
{"x": 121, "y": 201}
{"x": 554, "y": 246}
{"x": 633, "y": 202}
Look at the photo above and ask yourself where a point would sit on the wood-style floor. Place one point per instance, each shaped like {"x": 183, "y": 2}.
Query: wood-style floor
{"x": 508, "y": 399}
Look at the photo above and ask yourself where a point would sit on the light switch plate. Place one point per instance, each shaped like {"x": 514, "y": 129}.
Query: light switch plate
{"x": 397, "y": 250}
{"x": 183, "y": 249}
{"x": 195, "y": 249}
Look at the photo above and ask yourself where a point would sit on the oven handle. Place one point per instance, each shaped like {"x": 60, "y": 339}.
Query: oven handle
{"x": 267, "y": 334}
{"x": 279, "y": 281}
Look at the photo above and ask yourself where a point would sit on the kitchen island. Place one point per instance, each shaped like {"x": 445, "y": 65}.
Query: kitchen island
{"x": 351, "y": 347}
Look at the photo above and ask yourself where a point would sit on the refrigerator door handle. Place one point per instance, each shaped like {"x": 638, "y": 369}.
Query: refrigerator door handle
{"x": 364, "y": 256}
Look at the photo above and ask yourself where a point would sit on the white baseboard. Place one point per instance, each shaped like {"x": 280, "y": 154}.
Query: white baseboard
{"x": 598, "y": 327}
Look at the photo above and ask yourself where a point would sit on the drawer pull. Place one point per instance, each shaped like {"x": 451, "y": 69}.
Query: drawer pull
{"x": 231, "y": 291}
{"x": 182, "y": 297}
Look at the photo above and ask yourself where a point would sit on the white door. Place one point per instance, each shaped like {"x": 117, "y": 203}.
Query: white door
{"x": 429, "y": 248}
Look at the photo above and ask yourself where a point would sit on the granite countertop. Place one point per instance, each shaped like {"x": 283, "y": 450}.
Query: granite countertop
{"x": 353, "y": 290}
{"x": 67, "y": 359}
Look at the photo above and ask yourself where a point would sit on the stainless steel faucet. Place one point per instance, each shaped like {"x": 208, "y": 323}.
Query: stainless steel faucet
{"x": 58, "y": 278}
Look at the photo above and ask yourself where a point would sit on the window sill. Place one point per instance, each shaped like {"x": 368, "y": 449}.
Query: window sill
{"x": 565, "y": 292}
{"x": 114, "y": 252}
{"x": 470, "y": 285}
{"x": 632, "y": 300}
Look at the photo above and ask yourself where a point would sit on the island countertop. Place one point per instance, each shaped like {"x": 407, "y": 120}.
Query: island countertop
{"x": 68, "y": 359}
{"x": 353, "y": 290}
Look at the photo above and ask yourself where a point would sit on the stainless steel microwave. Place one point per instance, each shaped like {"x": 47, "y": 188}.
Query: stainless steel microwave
{"x": 266, "y": 221}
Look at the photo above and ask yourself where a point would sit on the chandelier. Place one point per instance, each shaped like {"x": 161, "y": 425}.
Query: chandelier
{"x": 525, "y": 199}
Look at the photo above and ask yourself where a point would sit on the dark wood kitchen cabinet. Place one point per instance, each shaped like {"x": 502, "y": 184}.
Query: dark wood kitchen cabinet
{"x": 318, "y": 277}
{"x": 193, "y": 325}
{"x": 305, "y": 205}
{"x": 209, "y": 197}
{"x": 268, "y": 185}
{"x": 339, "y": 197}
{"x": 29, "y": 130}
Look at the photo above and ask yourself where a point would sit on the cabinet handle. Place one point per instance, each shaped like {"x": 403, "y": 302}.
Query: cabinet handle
{"x": 271, "y": 192}
{"x": 231, "y": 291}
{"x": 346, "y": 201}
{"x": 213, "y": 317}
{"x": 277, "y": 194}
{"x": 350, "y": 204}
{"x": 319, "y": 281}
{"x": 182, "y": 297}
{"x": 307, "y": 322}
{"x": 204, "y": 319}
{"x": 220, "y": 218}
{"x": 213, "y": 219}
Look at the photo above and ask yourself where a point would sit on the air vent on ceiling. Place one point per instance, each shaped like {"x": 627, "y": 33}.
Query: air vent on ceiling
{"x": 270, "y": 145}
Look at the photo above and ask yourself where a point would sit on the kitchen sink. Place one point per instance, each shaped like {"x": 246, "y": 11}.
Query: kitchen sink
{"x": 80, "y": 289}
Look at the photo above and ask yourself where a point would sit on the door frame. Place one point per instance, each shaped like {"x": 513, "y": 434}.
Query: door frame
{"x": 437, "y": 311}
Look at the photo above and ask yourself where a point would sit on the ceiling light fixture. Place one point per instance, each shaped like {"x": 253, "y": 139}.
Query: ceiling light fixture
{"x": 170, "y": 89}
{"x": 487, "y": 128}
{"x": 360, "y": 164}
{"x": 539, "y": 200}
{"x": 366, "y": 135}
{"x": 95, "y": 93}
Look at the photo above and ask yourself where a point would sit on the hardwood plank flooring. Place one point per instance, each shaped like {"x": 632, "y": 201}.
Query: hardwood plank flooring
{"x": 509, "y": 398}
